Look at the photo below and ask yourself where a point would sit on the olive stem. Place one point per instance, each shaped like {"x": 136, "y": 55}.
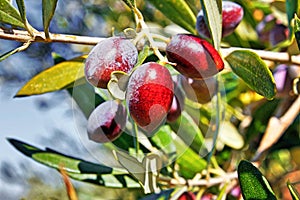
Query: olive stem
{"x": 201, "y": 182}
{"x": 160, "y": 37}
{"x": 145, "y": 29}
{"x": 276, "y": 128}
{"x": 136, "y": 141}
{"x": 24, "y": 36}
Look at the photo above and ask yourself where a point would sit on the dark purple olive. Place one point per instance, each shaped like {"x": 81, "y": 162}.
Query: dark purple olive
{"x": 232, "y": 15}
{"x": 106, "y": 122}
{"x": 278, "y": 33}
{"x": 177, "y": 104}
{"x": 200, "y": 91}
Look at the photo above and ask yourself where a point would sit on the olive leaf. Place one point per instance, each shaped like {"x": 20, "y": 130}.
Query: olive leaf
{"x": 294, "y": 193}
{"x": 189, "y": 132}
{"x": 146, "y": 172}
{"x": 22, "y": 10}
{"x": 76, "y": 168}
{"x": 164, "y": 141}
{"x": 253, "y": 184}
{"x": 297, "y": 29}
{"x": 212, "y": 11}
{"x": 21, "y": 7}
{"x": 10, "y": 15}
{"x": 143, "y": 55}
{"x": 130, "y": 3}
{"x": 253, "y": 70}
{"x": 292, "y": 7}
{"x": 189, "y": 161}
{"x": 49, "y": 7}
{"x": 118, "y": 84}
{"x": 230, "y": 136}
{"x": 55, "y": 78}
{"x": 175, "y": 10}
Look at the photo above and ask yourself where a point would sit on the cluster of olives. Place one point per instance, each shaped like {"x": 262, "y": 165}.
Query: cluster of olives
{"x": 152, "y": 96}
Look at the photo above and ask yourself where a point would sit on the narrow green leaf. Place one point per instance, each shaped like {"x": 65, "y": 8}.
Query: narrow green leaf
{"x": 190, "y": 163}
{"x": 146, "y": 172}
{"x": 163, "y": 140}
{"x": 230, "y": 136}
{"x": 9, "y": 15}
{"x": 260, "y": 119}
{"x": 253, "y": 70}
{"x": 297, "y": 29}
{"x": 54, "y": 78}
{"x": 177, "y": 150}
{"x": 85, "y": 97}
{"x": 130, "y": 3}
{"x": 22, "y": 10}
{"x": 212, "y": 10}
{"x": 253, "y": 184}
{"x": 55, "y": 159}
{"x": 292, "y": 8}
{"x": 21, "y": 6}
{"x": 49, "y": 7}
{"x": 77, "y": 169}
{"x": 107, "y": 180}
{"x": 177, "y": 11}
{"x": 132, "y": 165}
{"x": 189, "y": 132}
{"x": 294, "y": 193}
{"x": 143, "y": 55}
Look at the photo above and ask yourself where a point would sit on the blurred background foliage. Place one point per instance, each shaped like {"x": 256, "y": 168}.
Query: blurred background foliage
{"x": 264, "y": 26}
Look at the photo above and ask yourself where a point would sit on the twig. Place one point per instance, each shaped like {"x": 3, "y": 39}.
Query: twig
{"x": 69, "y": 186}
{"x": 24, "y": 36}
{"x": 267, "y": 55}
{"x": 202, "y": 182}
{"x": 276, "y": 127}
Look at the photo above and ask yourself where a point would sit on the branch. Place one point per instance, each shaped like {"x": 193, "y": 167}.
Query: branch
{"x": 24, "y": 36}
{"x": 282, "y": 57}
{"x": 276, "y": 127}
{"x": 201, "y": 182}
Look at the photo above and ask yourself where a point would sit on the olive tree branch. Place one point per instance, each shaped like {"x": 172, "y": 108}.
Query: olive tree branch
{"x": 276, "y": 128}
{"x": 212, "y": 181}
{"x": 24, "y": 36}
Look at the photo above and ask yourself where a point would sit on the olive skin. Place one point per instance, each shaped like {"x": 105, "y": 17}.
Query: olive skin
{"x": 200, "y": 91}
{"x": 111, "y": 54}
{"x": 187, "y": 196}
{"x": 194, "y": 57}
{"x": 232, "y": 15}
{"x": 106, "y": 122}
{"x": 177, "y": 104}
{"x": 149, "y": 96}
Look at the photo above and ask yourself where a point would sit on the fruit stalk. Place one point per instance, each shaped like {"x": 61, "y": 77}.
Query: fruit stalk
{"x": 140, "y": 23}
